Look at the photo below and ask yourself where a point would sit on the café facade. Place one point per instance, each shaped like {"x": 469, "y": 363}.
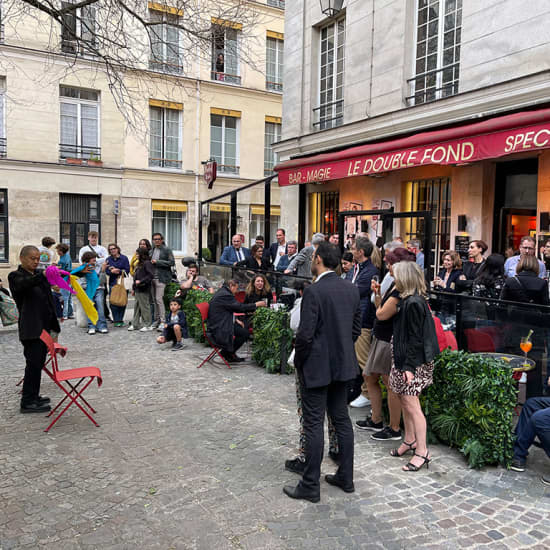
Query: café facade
{"x": 486, "y": 180}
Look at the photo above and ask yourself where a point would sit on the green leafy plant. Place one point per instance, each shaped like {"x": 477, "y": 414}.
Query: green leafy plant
{"x": 271, "y": 332}
{"x": 169, "y": 292}
{"x": 207, "y": 254}
{"x": 470, "y": 406}
{"x": 192, "y": 314}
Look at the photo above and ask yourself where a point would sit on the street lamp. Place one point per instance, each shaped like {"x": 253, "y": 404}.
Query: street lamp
{"x": 331, "y": 7}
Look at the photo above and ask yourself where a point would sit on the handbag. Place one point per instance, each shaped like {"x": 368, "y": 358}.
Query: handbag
{"x": 119, "y": 294}
{"x": 8, "y": 310}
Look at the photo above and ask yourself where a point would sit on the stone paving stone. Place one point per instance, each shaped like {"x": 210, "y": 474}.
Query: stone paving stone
{"x": 193, "y": 459}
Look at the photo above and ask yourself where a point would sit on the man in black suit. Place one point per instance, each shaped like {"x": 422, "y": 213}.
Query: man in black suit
{"x": 325, "y": 358}
{"x": 278, "y": 249}
{"x": 33, "y": 295}
{"x": 227, "y": 333}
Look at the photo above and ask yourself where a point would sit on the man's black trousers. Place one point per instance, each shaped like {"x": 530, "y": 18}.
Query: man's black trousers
{"x": 241, "y": 336}
{"x": 315, "y": 402}
{"x": 35, "y": 352}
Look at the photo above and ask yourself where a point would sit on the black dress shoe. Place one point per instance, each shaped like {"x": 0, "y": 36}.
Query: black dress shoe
{"x": 333, "y": 480}
{"x": 233, "y": 358}
{"x": 335, "y": 457}
{"x": 295, "y": 466}
{"x": 35, "y": 408}
{"x": 43, "y": 400}
{"x": 298, "y": 493}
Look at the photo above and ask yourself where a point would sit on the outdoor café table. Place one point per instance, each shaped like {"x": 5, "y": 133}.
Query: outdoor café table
{"x": 519, "y": 366}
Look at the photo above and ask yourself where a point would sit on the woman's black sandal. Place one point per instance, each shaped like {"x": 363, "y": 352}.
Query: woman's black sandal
{"x": 395, "y": 452}
{"x": 414, "y": 468}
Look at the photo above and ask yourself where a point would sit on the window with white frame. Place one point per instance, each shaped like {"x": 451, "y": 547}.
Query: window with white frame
{"x": 274, "y": 64}
{"x": 78, "y": 29}
{"x": 257, "y": 221}
{"x": 225, "y": 53}
{"x": 166, "y": 54}
{"x": 79, "y": 132}
{"x": 330, "y": 112}
{"x": 272, "y": 135}
{"x": 276, "y": 3}
{"x": 3, "y": 143}
{"x": 165, "y": 137}
{"x": 172, "y": 225}
{"x": 224, "y": 143}
{"x": 4, "y": 248}
{"x": 437, "y": 56}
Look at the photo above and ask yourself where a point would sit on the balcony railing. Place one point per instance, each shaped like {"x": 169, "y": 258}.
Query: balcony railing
{"x": 433, "y": 85}
{"x": 274, "y": 86}
{"x": 329, "y": 115}
{"x": 165, "y": 163}
{"x": 226, "y": 77}
{"x": 276, "y": 3}
{"x": 3, "y": 147}
{"x": 161, "y": 66}
{"x": 228, "y": 169}
{"x": 68, "y": 150}
{"x": 78, "y": 47}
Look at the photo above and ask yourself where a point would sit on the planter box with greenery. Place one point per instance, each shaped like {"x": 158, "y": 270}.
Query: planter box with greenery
{"x": 470, "y": 406}
{"x": 271, "y": 329}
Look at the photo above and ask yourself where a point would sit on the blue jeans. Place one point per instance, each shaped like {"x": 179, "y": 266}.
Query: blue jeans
{"x": 534, "y": 420}
{"x": 67, "y": 303}
{"x": 117, "y": 311}
{"x": 98, "y": 303}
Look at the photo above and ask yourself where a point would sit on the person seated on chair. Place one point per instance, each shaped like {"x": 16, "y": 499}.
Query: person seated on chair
{"x": 534, "y": 421}
{"x": 33, "y": 295}
{"x": 258, "y": 289}
{"x": 175, "y": 327}
{"x": 227, "y": 333}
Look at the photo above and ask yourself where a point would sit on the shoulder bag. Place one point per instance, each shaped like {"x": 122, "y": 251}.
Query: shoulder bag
{"x": 119, "y": 294}
{"x": 8, "y": 310}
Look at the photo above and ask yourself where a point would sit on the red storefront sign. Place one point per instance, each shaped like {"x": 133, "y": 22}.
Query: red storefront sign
{"x": 427, "y": 148}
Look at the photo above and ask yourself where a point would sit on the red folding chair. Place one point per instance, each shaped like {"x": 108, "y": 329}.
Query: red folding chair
{"x": 58, "y": 348}
{"x": 63, "y": 379}
{"x": 203, "y": 308}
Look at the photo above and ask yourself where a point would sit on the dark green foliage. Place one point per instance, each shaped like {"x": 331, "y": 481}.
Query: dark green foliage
{"x": 206, "y": 254}
{"x": 470, "y": 405}
{"x": 270, "y": 329}
{"x": 169, "y": 290}
{"x": 192, "y": 314}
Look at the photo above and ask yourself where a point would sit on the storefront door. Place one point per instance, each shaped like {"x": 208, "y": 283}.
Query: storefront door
{"x": 515, "y": 203}
{"x": 218, "y": 233}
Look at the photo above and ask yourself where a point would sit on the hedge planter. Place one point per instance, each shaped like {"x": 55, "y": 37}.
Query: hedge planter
{"x": 470, "y": 406}
{"x": 271, "y": 331}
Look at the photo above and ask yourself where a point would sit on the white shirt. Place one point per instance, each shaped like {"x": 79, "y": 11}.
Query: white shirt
{"x": 281, "y": 250}
{"x": 101, "y": 252}
{"x": 323, "y": 274}
{"x": 240, "y": 254}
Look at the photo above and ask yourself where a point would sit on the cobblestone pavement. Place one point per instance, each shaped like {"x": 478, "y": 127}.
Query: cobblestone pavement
{"x": 193, "y": 459}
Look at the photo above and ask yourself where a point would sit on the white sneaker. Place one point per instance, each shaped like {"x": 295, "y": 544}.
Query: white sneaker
{"x": 91, "y": 331}
{"x": 360, "y": 402}
{"x": 131, "y": 327}
{"x": 160, "y": 328}
{"x": 145, "y": 329}
{"x": 103, "y": 330}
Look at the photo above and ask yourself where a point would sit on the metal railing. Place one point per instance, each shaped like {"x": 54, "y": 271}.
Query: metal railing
{"x": 228, "y": 169}
{"x": 225, "y": 77}
{"x": 330, "y": 115}
{"x": 70, "y": 150}
{"x": 426, "y": 93}
{"x": 164, "y": 163}
{"x": 3, "y": 147}
{"x": 274, "y": 86}
{"x": 162, "y": 66}
{"x": 276, "y": 3}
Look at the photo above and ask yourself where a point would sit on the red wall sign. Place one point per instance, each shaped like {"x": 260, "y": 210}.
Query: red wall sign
{"x": 459, "y": 151}
{"x": 210, "y": 173}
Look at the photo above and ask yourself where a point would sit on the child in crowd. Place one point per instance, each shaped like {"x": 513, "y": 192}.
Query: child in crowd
{"x": 175, "y": 326}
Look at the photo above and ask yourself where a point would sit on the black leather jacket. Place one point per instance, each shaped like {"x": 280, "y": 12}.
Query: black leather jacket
{"x": 414, "y": 337}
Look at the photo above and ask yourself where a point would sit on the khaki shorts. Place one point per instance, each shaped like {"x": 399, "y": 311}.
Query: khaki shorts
{"x": 362, "y": 347}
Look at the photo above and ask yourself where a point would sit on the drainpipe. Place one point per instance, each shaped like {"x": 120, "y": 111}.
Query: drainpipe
{"x": 197, "y": 136}
{"x": 371, "y": 59}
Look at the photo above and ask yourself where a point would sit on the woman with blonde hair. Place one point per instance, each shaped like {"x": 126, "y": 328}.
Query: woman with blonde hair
{"x": 414, "y": 350}
{"x": 258, "y": 290}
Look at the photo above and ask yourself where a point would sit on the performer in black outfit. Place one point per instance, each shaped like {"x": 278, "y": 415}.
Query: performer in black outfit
{"x": 33, "y": 295}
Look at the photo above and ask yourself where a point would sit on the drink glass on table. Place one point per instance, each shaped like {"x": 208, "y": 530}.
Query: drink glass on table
{"x": 526, "y": 345}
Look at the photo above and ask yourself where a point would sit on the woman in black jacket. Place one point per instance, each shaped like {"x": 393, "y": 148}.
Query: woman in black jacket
{"x": 414, "y": 350}
{"x": 450, "y": 273}
{"x": 526, "y": 286}
{"x": 143, "y": 278}
{"x": 490, "y": 278}
{"x": 256, "y": 259}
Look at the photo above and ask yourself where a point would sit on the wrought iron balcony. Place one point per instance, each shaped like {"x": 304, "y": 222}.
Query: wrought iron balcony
{"x": 226, "y": 77}
{"x": 329, "y": 115}
{"x": 433, "y": 85}
{"x": 68, "y": 150}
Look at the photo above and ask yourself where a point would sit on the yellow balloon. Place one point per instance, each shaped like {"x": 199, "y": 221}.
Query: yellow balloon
{"x": 87, "y": 304}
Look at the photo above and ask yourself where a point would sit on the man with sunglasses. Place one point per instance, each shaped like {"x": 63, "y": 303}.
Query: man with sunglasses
{"x": 162, "y": 259}
{"x": 527, "y": 247}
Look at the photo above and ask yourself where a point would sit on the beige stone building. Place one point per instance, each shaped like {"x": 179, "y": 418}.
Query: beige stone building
{"x": 69, "y": 163}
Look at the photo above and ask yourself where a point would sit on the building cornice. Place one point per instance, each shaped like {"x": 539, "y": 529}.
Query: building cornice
{"x": 467, "y": 106}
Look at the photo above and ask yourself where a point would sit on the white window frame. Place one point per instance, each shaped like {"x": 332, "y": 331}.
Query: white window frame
{"x": 268, "y": 172}
{"x": 180, "y": 139}
{"x": 78, "y": 29}
{"x": 153, "y": 62}
{"x": 236, "y": 77}
{"x": 439, "y": 54}
{"x": 165, "y": 231}
{"x": 337, "y": 113}
{"x": 277, "y": 84}
{"x": 79, "y": 102}
{"x": 237, "y": 150}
